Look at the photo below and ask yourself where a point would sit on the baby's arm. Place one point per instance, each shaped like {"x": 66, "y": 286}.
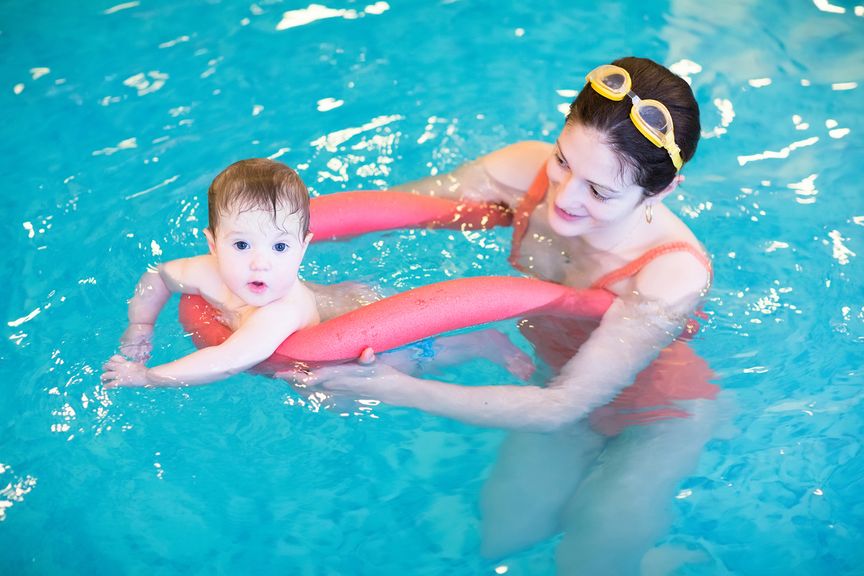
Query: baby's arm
{"x": 149, "y": 298}
{"x": 152, "y": 292}
{"x": 251, "y": 344}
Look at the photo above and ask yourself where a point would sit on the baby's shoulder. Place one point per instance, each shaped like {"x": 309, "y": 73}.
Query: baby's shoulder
{"x": 298, "y": 309}
{"x": 305, "y": 304}
{"x": 194, "y": 275}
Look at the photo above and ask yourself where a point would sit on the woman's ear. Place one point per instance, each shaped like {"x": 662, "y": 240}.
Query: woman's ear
{"x": 660, "y": 196}
{"x": 211, "y": 242}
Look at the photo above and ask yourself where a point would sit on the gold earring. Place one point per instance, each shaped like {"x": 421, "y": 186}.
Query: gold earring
{"x": 649, "y": 212}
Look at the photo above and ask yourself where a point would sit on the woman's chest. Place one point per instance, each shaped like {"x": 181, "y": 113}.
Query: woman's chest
{"x": 569, "y": 261}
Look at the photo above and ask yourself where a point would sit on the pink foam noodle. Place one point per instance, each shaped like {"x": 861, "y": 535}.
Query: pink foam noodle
{"x": 415, "y": 314}
{"x": 410, "y": 316}
{"x": 354, "y": 213}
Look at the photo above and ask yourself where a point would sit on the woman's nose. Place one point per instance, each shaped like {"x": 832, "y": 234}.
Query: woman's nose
{"x": 572, "y": 188}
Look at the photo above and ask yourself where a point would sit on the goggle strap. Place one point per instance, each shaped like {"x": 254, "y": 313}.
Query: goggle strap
{"x": 675, "y": 154}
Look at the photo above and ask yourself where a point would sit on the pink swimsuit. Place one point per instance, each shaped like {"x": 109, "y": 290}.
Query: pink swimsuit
{"x": 677, "y": 373}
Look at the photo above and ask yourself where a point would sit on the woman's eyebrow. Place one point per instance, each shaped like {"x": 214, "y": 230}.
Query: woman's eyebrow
{"x": 595, "y": 184}
{"x": 561, "y": 152}
{"x": 604, "y": 187}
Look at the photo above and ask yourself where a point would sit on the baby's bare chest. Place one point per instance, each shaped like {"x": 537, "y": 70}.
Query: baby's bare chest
{"x": 233, "y": 312}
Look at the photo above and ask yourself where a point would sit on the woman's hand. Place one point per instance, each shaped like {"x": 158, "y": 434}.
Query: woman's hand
{"x": 381, "y": 382}
{"x": 364, "y": 378}
{"x": 120, "y": 371}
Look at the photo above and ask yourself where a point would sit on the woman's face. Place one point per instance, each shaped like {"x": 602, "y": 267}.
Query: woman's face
{"x": 588, "y": 191}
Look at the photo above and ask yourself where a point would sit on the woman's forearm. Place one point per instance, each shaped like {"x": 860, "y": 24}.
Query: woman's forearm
{"x": 602, "y": 368}
{"x": 501, "y": 406}
{"x": 471, "y": 181}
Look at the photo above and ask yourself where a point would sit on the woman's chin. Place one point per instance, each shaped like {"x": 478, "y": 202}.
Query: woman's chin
{"x": 570, "y": 226}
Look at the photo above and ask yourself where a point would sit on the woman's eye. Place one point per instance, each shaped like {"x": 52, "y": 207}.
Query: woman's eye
{"x": 280, "y": 246}
{"x": 598, "y": 195}
{"x": 241, "y": 245}
{"x": 560, "y": 160}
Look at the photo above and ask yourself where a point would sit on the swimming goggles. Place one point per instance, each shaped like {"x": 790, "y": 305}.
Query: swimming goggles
{"x": 650, "y": 117}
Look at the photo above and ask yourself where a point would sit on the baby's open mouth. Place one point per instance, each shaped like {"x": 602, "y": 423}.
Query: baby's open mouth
{"x": 257, "y": 286}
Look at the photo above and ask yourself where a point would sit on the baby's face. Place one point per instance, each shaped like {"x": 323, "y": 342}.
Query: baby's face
{"x": 259, "y": 257}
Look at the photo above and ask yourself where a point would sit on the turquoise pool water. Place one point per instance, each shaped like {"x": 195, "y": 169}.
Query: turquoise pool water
{"x": 117, "y": 116}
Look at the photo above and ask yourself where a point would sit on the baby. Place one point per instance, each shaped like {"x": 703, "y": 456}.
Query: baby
{"x": 258, "y": 235}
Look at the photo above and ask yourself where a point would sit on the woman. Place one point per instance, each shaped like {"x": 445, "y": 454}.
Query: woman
{"x": 588, "y": 212}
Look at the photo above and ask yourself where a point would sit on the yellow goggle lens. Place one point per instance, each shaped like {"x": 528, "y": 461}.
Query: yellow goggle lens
{"x": 612, "y": 82}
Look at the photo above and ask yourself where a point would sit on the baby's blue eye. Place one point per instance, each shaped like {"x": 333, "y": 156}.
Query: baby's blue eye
{"x": 280, "y": 246}
{"x": 241, "y": 245}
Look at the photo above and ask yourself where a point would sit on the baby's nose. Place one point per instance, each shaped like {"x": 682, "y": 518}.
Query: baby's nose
{"x": 260, "y": 261}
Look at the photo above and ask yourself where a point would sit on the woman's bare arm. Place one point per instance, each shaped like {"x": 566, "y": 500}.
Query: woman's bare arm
{"x": 502, "y": 176}
{"x": 630, "y": 336}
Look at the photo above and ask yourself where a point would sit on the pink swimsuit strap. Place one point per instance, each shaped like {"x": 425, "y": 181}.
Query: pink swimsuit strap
{"x": 522, "y": 215}
{"x": 535, "y": 196}
{"x": 633, "y": 267}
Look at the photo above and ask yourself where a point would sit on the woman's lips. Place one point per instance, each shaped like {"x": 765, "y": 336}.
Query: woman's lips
{"x": 564, "y": 215}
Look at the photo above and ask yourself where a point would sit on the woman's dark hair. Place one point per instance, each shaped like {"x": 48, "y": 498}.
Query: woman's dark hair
{"x": 652, "y": 167}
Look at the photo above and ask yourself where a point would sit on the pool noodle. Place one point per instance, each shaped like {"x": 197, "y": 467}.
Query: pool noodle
{"x": 415, "y": 314}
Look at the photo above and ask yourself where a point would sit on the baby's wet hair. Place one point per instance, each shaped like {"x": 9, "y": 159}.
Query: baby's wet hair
{"x": 258, "y": 183}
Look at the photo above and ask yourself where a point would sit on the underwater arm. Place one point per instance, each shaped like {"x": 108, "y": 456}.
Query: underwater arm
{"x": 630, "y": 336}
{"x": 151, "y": 293}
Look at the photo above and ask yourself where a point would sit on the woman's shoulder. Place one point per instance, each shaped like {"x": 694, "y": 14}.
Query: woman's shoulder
{"x": 677, "y": 270}
{"x": 516, "y": 165}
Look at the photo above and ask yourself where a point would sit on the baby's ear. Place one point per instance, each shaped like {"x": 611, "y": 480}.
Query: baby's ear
{"x": 308, "y": 238}
{"x": 211, "y": 242}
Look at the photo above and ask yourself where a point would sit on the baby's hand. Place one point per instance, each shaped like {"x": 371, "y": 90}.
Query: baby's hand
{"x": 135, "y": 342}
{"x": 119, "y": 371}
